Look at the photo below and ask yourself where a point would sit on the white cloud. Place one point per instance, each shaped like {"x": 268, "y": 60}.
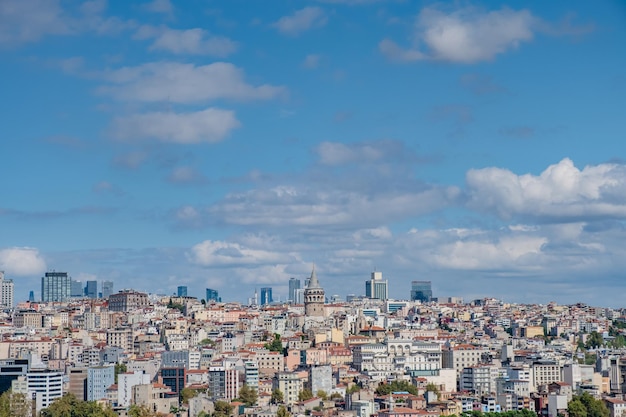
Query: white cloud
{"x": 311, "y": 61}
{"x": 191, "y": 41}
{"x": 29, "y": 20}
{"x": 338, "y": 153}
{"x": 159, "y": 6}
{"x": 301, "y": 21}
{"x": 186, "y": 175}
{"x": 21, "y": 261}
{"x": 465, "y": 35}
{"x": 184, "y": 83}
{"x": 209, "y": 125}
{"x": 220, "y": 253}
{"x": 560, "y": 193}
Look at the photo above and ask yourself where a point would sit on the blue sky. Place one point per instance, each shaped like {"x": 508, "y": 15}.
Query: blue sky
{"x": 231, "y": 145}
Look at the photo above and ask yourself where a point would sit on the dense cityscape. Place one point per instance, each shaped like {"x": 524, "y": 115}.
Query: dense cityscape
{"x": 132, "y": 353}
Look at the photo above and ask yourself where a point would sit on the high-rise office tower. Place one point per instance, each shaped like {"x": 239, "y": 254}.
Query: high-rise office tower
{"x": 421, "y": 291}
{"x": 212, "y": 295}
{"x": 294, "y": 285}
{"x": 55, "y": 286}
{"x": 31, "y": 296}
{"x": 107, "y": 289}
{"x": 376, "y": 287}
{"x": 6, "y": 291}
{"x": 266, "y": 295}
{"x": 182, "y": 291}
{"x": 76, "y": 289}
{"x": 91, "y": 289}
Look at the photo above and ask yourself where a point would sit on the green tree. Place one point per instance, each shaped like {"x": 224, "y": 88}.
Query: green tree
{"x": 222, "y": 409}
{"x": 14, "y": 404}
{"x": 276, "y": 345}
{"x": 396, "y": 386}
{"x": 70, "y": 406}
{"x": 430, "y": 387}
{"x": 594, "y": 340}
{"x": 119, "y": 368}
{"x": 282, "y": 412}
{"x": 305, "y": 394}
{"x": 336, "y": 396}
{"x": 576, "y": 408}
{"x": 186, "y": 394}
{"x": 323, "y": 395}
{"x": 592, "y": 407}
{"x": 248, "y": 395}
{"x": 277, "y": 396}
{"x": 353, "y": 388}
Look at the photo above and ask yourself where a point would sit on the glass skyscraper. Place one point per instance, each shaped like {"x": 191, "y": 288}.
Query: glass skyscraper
{"x": 182, "y": 291}
{"x": 211, "y": 295}
{"x": 266, "y": 295}
{"x": 421, "y": 291}
{"x": 294, "y": 285}
{"x": 55, "y": 286}
{"x": 91, "y": 289}
{"x": 377, "y": 287}
{"x": 107, "y": 289}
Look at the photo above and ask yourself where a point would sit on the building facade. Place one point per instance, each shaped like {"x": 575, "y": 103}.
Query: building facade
{"x": 266, "y": 296}
{"x": 128, "y": 300}
{"x": 376, "y": 287}
{"x": 421, "y": 291}
{"x": 314, "y": 297}
{"x": 55, "y": 287}
{"x": 294, "y": 285}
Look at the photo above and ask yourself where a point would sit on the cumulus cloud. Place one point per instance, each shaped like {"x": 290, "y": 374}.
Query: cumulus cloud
{"x": 220, "y": 253}
{"x": 338, "y": 153}
{"x": 284, "y": 206}
{"x": 159, "y": 6}
{"x": 186, "y": 175}
{"x": 191, "y": 41}
{"x": 560, "y": 193}
{"x": 209, "y": 125}
{"x": 21, "y": 261}
{"x": 301, "y": 21}
{"x": 24, "y": 21}
{"x": 311, "y": 61}
{"x": 184, "y": 83}
{"x": 465, "y": 35}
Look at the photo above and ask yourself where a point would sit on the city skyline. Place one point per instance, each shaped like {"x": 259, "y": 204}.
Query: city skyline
{"x": 476, "y": 145}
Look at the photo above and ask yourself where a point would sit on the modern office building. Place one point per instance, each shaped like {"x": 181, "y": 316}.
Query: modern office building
{"x": 55, "y": 286}
{"x": 91, "y": 289}
{"x": 107, "y": 289}
{"x": 212, "y": 295}
{"x": 421, "y": 291}
{"x": 376, "y": 287}
{"x": 294, "y": 286}
{"x": 181, "y": 291}
{"x": 266, "y": 296}
{"x": 76, "y": 289}
{"x": 99, "y": 378}
{"x": 31, "y": 296}
{"x": 45, "y": 386}
{"x": 7, "y": 290}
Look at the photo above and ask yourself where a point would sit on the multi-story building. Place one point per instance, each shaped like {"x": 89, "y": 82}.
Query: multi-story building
{"x": 174, "y": 378}
{"x": 126, "y": 382}
{"x": 376, "y": 287}
{"x": 294, "y": 285}
{"x": 181, "y": 291}
{"x": 421, "y": 291}
{"x": 44, "y": 387}
{"x": 463, "y": 356}
{"x": 266, "y": 296}
{"x": 78, "y": 382}
{"x": 99, "y": 378}
{"x": 76, "y": 289}
{"x": 128, "y": 300}
{"x": 7, "y": 290}
{"x": 107, "y": 289}
{"x": 212, "y": 295}
{"x": 121, "y": 337}
{"x": 55, "y": 286}
{"x": 479, "y": 379}
{"x": 290, "y": 384}
{"x": 91, "y": 289}
{"x": 223, "y": 383}
{"x": 545, "y": 372}
{"x": 28, "y": 318}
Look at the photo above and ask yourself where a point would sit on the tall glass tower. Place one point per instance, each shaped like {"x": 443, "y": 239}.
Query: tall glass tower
{"x": 55, "y": 286}
{"x": 421, "y": 291}
{"x": 266, "y": 295}
{"x": 294, "y": 285}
